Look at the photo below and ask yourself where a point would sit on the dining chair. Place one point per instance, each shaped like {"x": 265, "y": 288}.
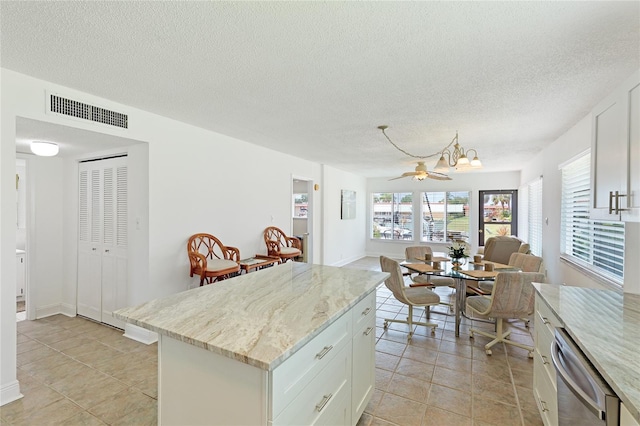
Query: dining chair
{"x": 524, "y": 262}
{"x": 210, "y": 259}
{"x": 410, "y": 296}
{"x": 280, "y": 245}
{"x": 499, "y": 248}
{"x": 418, "y": 252}
{"x": 513, "y": 297}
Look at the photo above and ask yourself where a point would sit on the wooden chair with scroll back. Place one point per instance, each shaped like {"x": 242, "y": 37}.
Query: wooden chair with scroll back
{"x": 280, "y": 245}
{"x": 210, "y": 259}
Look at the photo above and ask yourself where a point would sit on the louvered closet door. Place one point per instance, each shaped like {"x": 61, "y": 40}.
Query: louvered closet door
{"x": 102, "y": 245}
{"x": 114, "y": 241}
{"x": 89, "y": 242}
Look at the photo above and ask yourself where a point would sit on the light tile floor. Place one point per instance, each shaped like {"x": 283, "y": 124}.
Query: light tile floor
{"x": 73, "y": 371}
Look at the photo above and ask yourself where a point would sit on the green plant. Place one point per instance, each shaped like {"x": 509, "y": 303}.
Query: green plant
{"x": 459, "y": 250}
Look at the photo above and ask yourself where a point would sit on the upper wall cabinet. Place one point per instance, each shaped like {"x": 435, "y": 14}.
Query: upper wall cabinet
{"x": 615, "y": 154}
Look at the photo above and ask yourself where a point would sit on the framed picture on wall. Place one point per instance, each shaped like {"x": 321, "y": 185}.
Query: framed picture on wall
{"x": 348, "y": 204}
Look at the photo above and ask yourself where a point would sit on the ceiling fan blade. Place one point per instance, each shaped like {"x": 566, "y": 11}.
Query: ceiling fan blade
{"x": 396, "y": 178}
{"x": 438, "y": 176}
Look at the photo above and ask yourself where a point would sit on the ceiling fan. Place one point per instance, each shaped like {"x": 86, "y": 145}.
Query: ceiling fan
{"x": 421, "y": 173}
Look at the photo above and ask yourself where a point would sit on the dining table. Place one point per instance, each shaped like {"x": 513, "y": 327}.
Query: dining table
{"x": 441, "y": 265}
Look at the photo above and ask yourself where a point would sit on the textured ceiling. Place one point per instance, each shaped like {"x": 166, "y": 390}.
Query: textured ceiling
{"x": 315, "y": 79}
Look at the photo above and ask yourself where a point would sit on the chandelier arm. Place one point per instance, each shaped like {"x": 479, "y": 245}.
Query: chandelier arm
{"x": 411, "y": 155}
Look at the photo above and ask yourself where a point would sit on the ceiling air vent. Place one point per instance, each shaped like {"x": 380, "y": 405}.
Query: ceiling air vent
{"x": 77, "y": 109}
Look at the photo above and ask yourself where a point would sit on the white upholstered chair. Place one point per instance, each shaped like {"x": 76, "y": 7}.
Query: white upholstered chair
{"x": 410, "y": 296}
{"x": 498, "y": 249}
{"x": 513, "y": 297}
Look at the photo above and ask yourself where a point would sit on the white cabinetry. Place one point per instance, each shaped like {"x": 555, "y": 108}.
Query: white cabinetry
{"x": 615, "y": 154}
{"x": 626, "y": 418}
{"x": 328, "y": 381}
{"x": 20, "y": 273}
{"x": 364, "y": 366}
{"x": 544, "y": 374}
{"x": 102, "y": 239}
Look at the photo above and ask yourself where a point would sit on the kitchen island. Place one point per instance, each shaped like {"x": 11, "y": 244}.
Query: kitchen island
{"x": 605, "y": 325}
{"x": 291, "y": 344}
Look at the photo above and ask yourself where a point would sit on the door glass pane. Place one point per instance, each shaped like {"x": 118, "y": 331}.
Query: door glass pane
{"x": 498, "y": 214}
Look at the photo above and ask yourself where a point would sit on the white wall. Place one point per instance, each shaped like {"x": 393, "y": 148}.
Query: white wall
{"x": 574, "y": 142}
{"x": 473, "y": 182}
{"x": 344, "y": 239}
{"x": 198, "y": 181}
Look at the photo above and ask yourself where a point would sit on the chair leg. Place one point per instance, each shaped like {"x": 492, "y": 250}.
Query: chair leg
{"x": 409, "y": 321}
{"x": 500, "y": 337}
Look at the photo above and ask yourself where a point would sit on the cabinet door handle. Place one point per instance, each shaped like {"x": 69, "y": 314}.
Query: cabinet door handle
{"x": 544, "y": 406}
{"x": 610, "y": 202}
{"x": 545, "y": 320}
{"x": 368, "y": 331}
{"x": 544, "y": 360}
{"x": 323, "y": 352}
{"x": 366, "y": 311}
{"x": 325, "y": 400}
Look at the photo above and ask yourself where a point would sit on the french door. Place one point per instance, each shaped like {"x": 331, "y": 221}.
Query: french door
{"x": 498, "y": 214}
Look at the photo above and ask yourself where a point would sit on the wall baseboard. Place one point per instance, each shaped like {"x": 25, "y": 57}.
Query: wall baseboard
{"x": 54, "y": 309}
{"x": 140, "y": 334}
{"x": 68, "y": 310}
{"x": 10, "y": 392}
{"x": 348, "y": 260}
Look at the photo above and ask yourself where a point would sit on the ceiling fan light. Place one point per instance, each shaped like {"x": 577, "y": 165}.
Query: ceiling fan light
{"x": 463, "y": 161}
{"x": 44, "y": 149}
{"x": 441, "y": 166}
{"x": 475, "y": 163}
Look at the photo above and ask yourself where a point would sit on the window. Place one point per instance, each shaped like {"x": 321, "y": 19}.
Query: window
{"x": 594, "y": 244}
{"x": 534, "y": 216}
{"x": 392, "y": 216}
{"x": 445, "y": 216}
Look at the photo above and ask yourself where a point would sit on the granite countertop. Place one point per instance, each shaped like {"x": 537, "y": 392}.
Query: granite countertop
{"x": 606, "y": 326}
{"x": 260, "y": 318}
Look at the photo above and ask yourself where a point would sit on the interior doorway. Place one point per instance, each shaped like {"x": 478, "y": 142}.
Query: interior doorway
{"x": 21, "y": 239}
{"x": 302, "y": 215}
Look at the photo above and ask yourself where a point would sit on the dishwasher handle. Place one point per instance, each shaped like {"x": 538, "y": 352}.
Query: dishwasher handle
{"x": 571, "y": 384}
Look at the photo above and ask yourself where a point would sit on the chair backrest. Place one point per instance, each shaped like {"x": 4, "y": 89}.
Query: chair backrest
{"x": 498, "y": 249}
{"x": 395, "y": 282}
{"x": 207, "y": 245}
{"x": 273, "y": 233}
{"x": 417, "y": 252}
{"x": 513, "y": 295}
{"x": 527, "y": 262}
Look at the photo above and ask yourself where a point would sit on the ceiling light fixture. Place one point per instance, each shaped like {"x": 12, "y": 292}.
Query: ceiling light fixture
{"x": 44, "y": 149}
{"x": 457, "y": 158}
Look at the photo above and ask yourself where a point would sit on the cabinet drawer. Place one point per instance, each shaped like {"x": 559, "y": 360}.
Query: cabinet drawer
{"x": 545, "y": 395}
{"x": 288, "y": 379}
{"x": 545, "y": 317}
{"x": 364, "y": 310}
{"x": 544, "y": 339}
{"x": 323, "y": 399}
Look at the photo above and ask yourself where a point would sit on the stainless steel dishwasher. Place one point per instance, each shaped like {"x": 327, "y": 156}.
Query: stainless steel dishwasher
{"x": 584, "y": 398}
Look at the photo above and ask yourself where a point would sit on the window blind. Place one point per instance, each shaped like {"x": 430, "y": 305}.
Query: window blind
{"x": 534, "y": 216}
{"x": 597, "y": 245}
